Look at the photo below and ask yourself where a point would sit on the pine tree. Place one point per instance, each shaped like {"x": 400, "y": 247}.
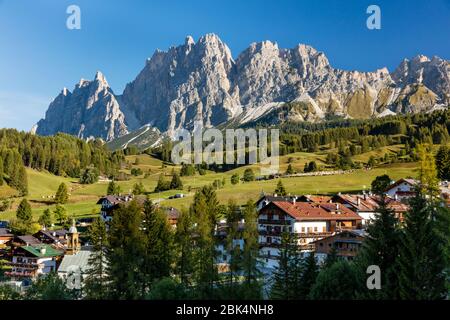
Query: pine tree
{"x": 21, "y": 180}
{"x": 250, "y": 254}
{"x": 126, "y": 247}
{"x": 62, "y": 195}
{"x": 286, "y": 277}
{"x": 184, "y": 244}
{"x": 442, "y": 163}
{"x": 331, "y": 258}
{"x": 176, "y": 182}
{"x": 233, "y": 218}
{"x": 158, "y": 241}
{"x": 138, "y": 188}
{"x": 422, "y": 259}
{"x": 289, "y": 169}
{"x": 381, "y": 248}
{"x": 204, "y": 210}
{"x": 46, "y": 219}
{"x": 95, "y": 285}
{"x": 162, "y": 184}
{"x": 280, "y": 190}
{"x": 113, "y": 189}
{"x": 24, "y": 213}
{"x": 308, "y": 277}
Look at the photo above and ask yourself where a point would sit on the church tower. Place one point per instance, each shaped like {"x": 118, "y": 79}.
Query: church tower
{"x": 73, "y": 242}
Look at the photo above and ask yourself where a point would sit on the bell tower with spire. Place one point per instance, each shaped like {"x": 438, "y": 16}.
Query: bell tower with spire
{"x": 73, "y": 242}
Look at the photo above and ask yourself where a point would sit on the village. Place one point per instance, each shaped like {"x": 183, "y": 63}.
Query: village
{"x": 322, "y": 224}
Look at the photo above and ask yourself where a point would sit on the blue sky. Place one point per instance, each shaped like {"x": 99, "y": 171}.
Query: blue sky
{"x": 39, "y": 55}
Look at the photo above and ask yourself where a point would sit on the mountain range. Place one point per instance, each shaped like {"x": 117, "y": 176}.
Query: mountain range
{"x": 200, "y": 81}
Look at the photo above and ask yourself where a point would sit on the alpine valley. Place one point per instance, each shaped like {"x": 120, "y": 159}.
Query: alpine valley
{"x": 201, "y": 81}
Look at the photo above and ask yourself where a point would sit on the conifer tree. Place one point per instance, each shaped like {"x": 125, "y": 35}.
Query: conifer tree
{"x": 158, "y": 241}
{"x": 162, "y": 184}
{"x": 250, "y": 254}
{"x": 286, "y": 277}
{"x": 184, "y": 244}
{"x": 23, "y": 212}
{"x": 62, "y": 195}
{"x": 113, "y": 188}
{"x": 331, "y": 258}
{"x": 280, "y": 190}
{"x": 233, "y": 249}
{"x": 95, "y": 285}
{"x": 126, "y": 247}
{"x": 422, "y": 260}
{"x": 176, "y": 182}
{"x": 289, "y": 169}
{"x": 308, "y": 277}
{"x": 204, "y": 210}
{"x": 138, "y": 188}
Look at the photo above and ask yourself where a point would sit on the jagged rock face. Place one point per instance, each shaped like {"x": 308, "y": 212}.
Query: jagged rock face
{"x": 200, "y": 81}
{"x": 91, "y": 110}
{"x": 185, "y": 84}
{"x": 434, "y": 74}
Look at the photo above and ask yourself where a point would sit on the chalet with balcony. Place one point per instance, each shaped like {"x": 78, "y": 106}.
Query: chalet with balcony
{"x": 402, "y": 189}
{"x": 367, "y": 205}
{"x": 33, "y": 260}
{"x": 307, "y": 221}
{"x": 111, "y": 203}
{"x": 347, "y": 243}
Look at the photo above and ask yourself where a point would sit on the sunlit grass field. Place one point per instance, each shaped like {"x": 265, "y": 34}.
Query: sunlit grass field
{"x": 83, "y": 198}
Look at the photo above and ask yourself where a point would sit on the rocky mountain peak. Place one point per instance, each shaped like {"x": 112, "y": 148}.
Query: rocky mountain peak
{"x": 200, "y": 81}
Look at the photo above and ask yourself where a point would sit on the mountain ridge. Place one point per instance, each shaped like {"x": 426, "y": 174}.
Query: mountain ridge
{"x": 200, "y": 81}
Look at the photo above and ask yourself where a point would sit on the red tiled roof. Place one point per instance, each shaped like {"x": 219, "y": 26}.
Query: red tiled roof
{"x": 315, "y": 211}
{"x": 318, "y": 198}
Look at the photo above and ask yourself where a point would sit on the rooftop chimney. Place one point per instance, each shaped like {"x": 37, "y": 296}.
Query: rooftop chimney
{"x": 358, "y": 201}
{"x": 43, "y": 250}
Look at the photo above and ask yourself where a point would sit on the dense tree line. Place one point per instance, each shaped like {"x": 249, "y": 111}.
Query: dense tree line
{"x": 143, "y": 257}
{"x": 61, "y": 154}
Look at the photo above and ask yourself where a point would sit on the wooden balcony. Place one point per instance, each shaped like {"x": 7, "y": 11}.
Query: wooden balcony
{"x": 314, "y": 234}
{"x": 276, "y": 222}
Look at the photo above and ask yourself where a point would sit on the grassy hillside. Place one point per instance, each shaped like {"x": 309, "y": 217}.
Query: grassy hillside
{"x": 43, "y": 185}
{"x": 355, "y": 181}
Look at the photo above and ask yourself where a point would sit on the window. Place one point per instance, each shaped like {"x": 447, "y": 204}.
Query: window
{"x": 303, "y": 229}
{"x": 269, "y": 239}
{"x": 315, "y": 229}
